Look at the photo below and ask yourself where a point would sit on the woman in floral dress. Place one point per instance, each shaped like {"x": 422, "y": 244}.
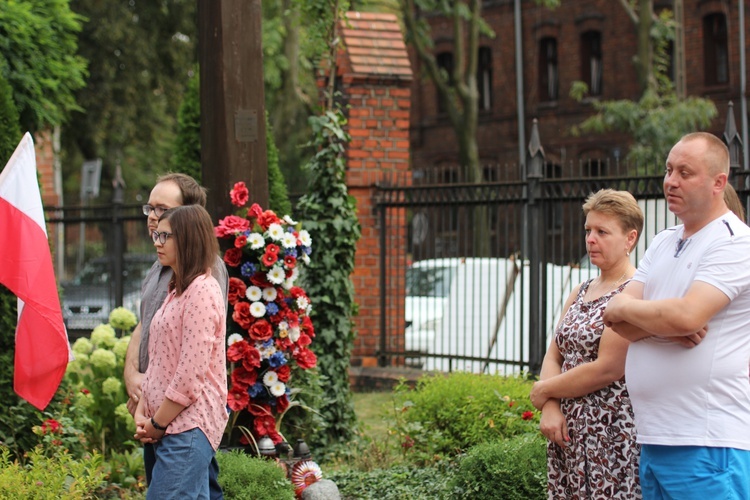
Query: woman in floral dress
{"x": 586, "y": 411}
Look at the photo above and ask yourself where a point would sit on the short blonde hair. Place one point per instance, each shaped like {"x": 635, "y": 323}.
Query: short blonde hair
{"x": 619, "y": 204}
{"x": 717, "y": 153}
{"x": 732, "y": 199}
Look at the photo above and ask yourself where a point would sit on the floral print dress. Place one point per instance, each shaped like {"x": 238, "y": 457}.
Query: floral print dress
{"x": 601, "y": 459}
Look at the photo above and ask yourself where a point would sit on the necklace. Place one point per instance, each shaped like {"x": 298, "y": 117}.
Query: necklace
{"x": 613, "y": 285}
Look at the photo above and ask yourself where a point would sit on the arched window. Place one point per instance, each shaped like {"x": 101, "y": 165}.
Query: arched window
{"x": 484, "y": 78}
{"x": 548, "y": 69}
{"x": 445, "y": 62}
{"x": 715, "y": 53}
{"x": 591, "y": 61}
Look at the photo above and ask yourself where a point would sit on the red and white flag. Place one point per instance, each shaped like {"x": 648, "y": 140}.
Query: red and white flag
{"x": 42, "y": 349}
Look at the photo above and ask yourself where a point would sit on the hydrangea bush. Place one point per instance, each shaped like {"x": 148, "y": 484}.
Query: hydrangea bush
{"x": 96, "y": 376}
{"x": 269, "y": 328}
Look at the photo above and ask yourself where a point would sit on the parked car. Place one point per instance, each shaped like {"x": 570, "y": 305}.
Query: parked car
{"x": 89, "y": 297}
{"x": 476, "y": 307}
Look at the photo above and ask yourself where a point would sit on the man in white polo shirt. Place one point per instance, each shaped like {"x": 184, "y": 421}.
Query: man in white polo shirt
{"x": 692, "y": 288}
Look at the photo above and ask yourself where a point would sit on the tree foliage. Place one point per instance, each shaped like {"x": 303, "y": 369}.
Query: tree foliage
{"x": 141, "y": 55}
{"x": 38, "y": 40}
{"x": 659, "y": 118}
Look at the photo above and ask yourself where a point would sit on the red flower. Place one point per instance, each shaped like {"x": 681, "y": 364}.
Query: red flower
{"x": 259, "y": 279}
{"x": 269, "y": 259}
{"x": 271, "y": 248}
{"x": 239, "y": 194}
{"x": 242, "y": 316}
{"x": 85, "y": 391}
{"x": 282, "y": 403}
{"x": 252, "y": 358}
{"x": 51, "y": 426}
{"x": 296, "y": 292}
{"x": 307, "y": 327}
{"x": 237, "y": 289}
{"x": 233, "y": 257}
{"x": 283, "y": 373}
{"x": 527, "y": 415}
{"x": 237, "y": 399}
{"x": 267, "y": 218}
{"x": 242, "y": 378}
{"x": 236, "y": 352}
{"x": 240, "y": 241}
{"x": 303, "y": 340}
{"x": 305, "y": 358}
{"x": 254, "y": 211}
{"x": 512, "y": 404}
{"x": 290, "y": 262}
{"x": 261, "y": 330}
{"x": 230, "y": 225}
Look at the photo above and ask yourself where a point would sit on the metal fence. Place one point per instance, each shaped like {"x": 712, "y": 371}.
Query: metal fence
{"x": 450, "y": 309}
{"x": 100, "y": 254}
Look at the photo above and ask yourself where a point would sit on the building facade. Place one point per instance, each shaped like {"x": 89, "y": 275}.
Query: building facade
{"x": 593, "y": 41}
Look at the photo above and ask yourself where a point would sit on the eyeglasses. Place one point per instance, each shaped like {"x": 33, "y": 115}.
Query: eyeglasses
{"x": 161, "y": 237}
{"x": 158, "y": 211}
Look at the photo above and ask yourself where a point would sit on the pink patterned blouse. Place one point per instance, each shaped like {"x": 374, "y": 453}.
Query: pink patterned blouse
{"x": 188, "y": 359}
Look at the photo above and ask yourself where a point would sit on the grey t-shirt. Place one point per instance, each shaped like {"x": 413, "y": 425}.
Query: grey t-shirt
{"x": 153, "y": 292}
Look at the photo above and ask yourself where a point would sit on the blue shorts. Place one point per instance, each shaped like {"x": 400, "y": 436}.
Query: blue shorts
{"x": 694, "y": 472}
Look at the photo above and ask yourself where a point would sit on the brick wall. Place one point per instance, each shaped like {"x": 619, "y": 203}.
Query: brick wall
{"x": 375, "y": 81}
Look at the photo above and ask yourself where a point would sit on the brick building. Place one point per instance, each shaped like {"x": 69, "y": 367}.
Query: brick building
{"x": 585, "y": 40}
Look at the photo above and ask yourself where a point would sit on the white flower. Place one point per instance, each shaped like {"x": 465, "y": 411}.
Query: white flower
{"x": 278, "y": 389}
{"x": 256, "y": 241}
{"x": 233, "y": 338}
{"x": 304, "y": 238}
{"x": 304, "y": 258}
{"x": 275, "y": 231}
{"x": 269, "y": 294}
{"x": 288, "y": 283}
{"x": 265, "y": 352}
{"x": 289, "y": 220}
{"x": 258, "y": 309}
{"x": 270, "y": 378}
{"x": 276, "y": 275}
{"x": 294, "y": 334}
{"x": 288, "y": 240}
{"x": 253, "y": 294}
{"x": 302, "y": 303}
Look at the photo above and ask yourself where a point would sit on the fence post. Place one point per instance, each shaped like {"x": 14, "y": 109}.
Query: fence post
{"x": 533, "y": 227}
{"x": 732, "y": 139}
{"x": 118, "y": 240}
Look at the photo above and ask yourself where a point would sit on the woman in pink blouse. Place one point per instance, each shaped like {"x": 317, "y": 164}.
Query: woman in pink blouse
{"x": 183, "y": 407}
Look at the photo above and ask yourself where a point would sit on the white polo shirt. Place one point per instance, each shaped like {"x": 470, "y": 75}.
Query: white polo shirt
{"x": 698, "y": 396}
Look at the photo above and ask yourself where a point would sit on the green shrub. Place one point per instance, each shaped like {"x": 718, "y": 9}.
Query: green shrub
{"x": 511, "y": 469}
{"x": 60, "y": 477}
{"x": 243, "y": 477}
{"x": 96, "y": 375}
{"x": 449, "y": 414}
{"x": 396, "y": 483}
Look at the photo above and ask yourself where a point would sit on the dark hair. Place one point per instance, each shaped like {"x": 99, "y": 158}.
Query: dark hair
{"x": 192, "y": 192}
{"x": 195, "y": 243}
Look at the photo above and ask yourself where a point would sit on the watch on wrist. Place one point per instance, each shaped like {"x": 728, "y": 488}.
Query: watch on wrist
{"x": 157, "y": 426}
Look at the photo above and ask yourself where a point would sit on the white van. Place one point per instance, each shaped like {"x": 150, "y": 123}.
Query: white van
{"x": 474, "y": 307}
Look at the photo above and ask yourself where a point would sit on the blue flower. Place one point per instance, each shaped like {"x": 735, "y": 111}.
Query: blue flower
{"x": 307, "y": 250}
{"x": 291, "y": 252}
{"x": 272, "y": 308}
{"x": 255, "y": 389}
{"x": 247, "y": 269}
{"x": 277, "y": 359}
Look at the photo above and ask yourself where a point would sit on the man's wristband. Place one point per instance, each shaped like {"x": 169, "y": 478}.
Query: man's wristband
{"x": 157, "y": 426}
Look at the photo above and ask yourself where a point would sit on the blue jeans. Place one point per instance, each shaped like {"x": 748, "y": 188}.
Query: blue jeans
{"x": 182, "y": 466}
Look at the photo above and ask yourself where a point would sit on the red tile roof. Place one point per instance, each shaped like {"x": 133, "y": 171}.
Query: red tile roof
{"x": 374, "y": 46}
